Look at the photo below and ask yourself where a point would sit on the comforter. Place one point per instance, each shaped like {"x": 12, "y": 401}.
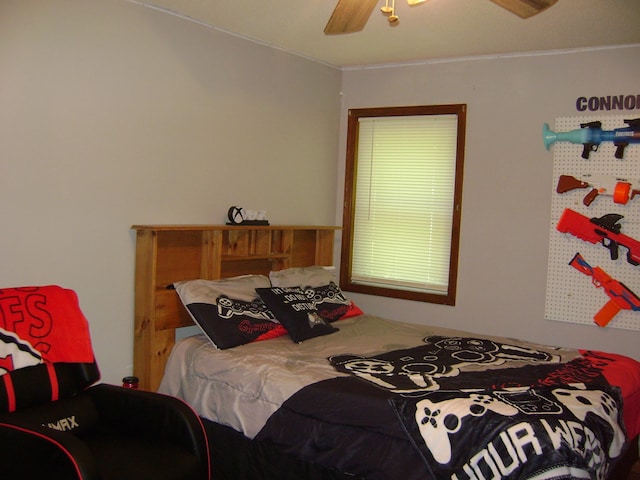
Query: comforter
{"x": 387, "y": 400}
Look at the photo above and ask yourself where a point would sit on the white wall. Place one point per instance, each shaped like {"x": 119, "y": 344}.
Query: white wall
{"x": 112, "y": 114}
{"x": 507, "y": 181}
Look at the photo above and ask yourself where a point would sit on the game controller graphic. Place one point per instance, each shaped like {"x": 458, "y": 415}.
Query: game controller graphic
{"x": 408, "y": 379}
{"x": 441, "y": 357}
{"x": 228, "y": 307}
{"x": 327, "y": 293}
{"x": 437, "y": 421}
{"x": 529, "y": 401}
{"x": 583, "y": 402}
{"x": 461, "y": 350}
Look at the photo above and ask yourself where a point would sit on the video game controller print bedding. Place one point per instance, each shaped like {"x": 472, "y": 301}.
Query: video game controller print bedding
{"x": 479, "y": 409}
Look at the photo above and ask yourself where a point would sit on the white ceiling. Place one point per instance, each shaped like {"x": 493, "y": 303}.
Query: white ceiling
{"x": 437, "y": 29}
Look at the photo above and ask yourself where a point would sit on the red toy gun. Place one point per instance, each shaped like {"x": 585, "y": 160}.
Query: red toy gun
{"x": 620, "y": 297}
{"x": 605, "y": 230}
{"x": 621, "y": 189}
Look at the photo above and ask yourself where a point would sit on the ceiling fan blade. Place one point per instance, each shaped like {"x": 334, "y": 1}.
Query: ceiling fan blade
{"x": 525, "y": 8}
{"x": 349, "y": 16}
{"x": 415, "y": 2}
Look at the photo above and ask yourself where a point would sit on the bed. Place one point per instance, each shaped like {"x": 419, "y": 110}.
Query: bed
{"x": 373, "y": 398}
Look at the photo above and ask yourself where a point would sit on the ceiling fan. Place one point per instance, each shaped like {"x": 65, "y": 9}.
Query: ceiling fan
{"x": 351, "y": 16}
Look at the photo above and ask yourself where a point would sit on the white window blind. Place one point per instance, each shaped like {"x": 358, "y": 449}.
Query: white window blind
{"x": 404, "y": 202}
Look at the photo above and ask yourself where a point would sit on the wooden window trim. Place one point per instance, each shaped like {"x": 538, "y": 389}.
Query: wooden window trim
{"x": 349, "y": 202}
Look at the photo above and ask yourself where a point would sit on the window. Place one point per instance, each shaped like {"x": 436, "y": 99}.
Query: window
{"x": 402, "y": 204}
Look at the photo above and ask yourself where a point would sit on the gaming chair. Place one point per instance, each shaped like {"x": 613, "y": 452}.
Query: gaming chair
{"x": 56, "y": 423}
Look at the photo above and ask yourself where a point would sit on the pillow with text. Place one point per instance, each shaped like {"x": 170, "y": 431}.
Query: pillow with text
{"x": 228, "y": 311}
{"x": 296, "y": 312}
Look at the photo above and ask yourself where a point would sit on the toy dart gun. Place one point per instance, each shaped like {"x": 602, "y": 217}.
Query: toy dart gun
{"x": 590, "y": 135}
{"x": 605, "y": 230}
{"x": 621, "y": 189}
{"x": 620, "y": 297}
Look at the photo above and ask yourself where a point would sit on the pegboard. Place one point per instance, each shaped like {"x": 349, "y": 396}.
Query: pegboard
{"x": 571, "y": 296}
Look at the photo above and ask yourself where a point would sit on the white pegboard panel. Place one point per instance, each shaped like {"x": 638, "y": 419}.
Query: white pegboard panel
{"x": 571, "y": 296}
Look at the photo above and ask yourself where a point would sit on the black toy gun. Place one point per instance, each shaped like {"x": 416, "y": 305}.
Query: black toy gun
{"x": 605, "y": 230}
{"x": 621, "y": 189}
{"x": 591, "y": 135}
{"x": 620, "y": 297}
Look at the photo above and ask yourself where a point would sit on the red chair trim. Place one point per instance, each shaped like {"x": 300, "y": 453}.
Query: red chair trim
{"x": 53, "y": 379}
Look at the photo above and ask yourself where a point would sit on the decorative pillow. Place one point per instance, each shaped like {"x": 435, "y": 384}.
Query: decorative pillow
{"x": 294, "y": 310}
{"x": 229, "y": 311}
{"x": 315, "y": 276}
{"x": 332, "y": 305}
{"x": 319, "y": 286}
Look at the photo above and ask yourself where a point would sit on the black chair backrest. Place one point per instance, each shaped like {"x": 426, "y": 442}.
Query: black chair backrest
{"x": 44, "y": 383}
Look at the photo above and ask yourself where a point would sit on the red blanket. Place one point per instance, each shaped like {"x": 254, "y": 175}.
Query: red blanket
{"x": 44, "y": 337}
{"x": 624, "y": 372}
{"x": 45, "y": 322}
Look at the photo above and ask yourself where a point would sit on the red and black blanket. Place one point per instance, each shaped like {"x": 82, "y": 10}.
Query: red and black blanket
{"x": 464, "y": 408}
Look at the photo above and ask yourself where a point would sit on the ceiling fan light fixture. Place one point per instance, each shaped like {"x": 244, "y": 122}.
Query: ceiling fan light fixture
{"x": 390, "y": 12}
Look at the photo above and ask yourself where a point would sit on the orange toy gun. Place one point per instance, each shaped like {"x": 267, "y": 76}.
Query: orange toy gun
{"x": 620, "y": 297}
{"x": 621, "y": 189}
{"x": 605, "y": 230}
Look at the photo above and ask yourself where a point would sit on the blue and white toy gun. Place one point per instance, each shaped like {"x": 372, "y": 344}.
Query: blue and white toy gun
{"x": 590, "y": 135}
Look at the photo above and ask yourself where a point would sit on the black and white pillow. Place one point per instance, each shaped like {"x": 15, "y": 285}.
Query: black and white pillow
{"x": 229, "y": 311}
{"x": 296, "y": 312}
{"x": 319, "y": 285}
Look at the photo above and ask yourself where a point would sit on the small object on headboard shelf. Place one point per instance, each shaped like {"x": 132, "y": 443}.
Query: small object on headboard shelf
{"x": 240, "y": 216}
{"x": 170, "y": 253}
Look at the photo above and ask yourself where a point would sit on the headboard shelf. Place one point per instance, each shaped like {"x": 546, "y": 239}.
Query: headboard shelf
{"x": 170, "y": 253}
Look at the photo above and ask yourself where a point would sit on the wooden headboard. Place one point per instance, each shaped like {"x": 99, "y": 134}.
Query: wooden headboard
{"x": 171, "y": 253}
